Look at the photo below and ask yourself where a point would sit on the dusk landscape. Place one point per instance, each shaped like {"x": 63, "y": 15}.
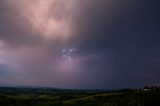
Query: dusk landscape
{"x": 79, "y": 52}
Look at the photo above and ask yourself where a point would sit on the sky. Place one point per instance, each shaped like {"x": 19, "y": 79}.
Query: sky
{"x": 80, "y": 44}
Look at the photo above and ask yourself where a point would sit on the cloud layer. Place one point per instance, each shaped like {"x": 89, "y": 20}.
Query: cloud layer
{"x": 79, "y": 43}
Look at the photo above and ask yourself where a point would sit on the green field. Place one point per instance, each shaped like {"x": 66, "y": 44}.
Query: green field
{"x": 61, "y": 97}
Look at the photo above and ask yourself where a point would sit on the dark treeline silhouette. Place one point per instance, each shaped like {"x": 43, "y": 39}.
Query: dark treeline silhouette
{"x": 147, "y": 96}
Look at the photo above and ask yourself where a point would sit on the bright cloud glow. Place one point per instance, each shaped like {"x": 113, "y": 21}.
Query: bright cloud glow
{"x": 48, "y": 18}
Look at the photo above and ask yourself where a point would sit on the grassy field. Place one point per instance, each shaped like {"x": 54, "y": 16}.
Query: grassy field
{"x": 61, "y": 97}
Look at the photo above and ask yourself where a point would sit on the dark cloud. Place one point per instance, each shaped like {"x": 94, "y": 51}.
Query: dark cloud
{"x": 125, "y": 31}
{"x": 115, "y": 43}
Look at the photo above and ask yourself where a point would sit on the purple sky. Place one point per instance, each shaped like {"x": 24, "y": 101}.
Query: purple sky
{"x": 80, "y": 43}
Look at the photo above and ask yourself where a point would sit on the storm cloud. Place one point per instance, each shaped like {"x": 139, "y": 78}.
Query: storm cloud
{"x": 80, "y": 43}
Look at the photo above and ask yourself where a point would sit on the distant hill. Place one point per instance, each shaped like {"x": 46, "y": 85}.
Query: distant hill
{"x": 33, "y": 96}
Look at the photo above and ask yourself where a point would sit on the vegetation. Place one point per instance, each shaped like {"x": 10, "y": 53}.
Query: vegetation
{"x": 149, "y": 96}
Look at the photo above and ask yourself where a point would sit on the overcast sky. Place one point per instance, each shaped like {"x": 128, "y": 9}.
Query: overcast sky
{"x": 93, "y": 44}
